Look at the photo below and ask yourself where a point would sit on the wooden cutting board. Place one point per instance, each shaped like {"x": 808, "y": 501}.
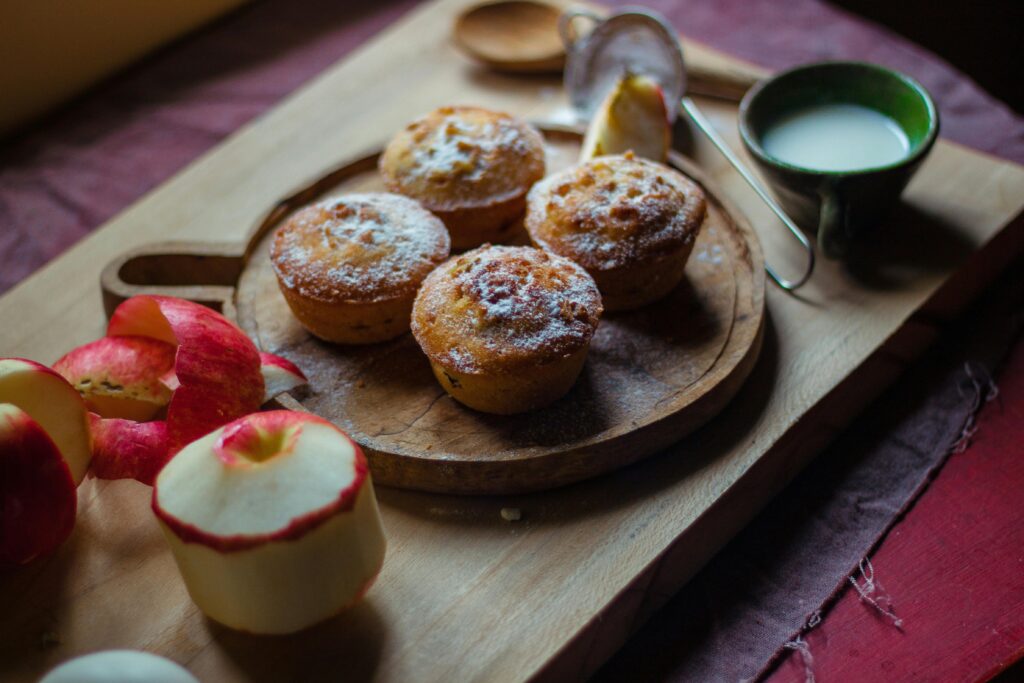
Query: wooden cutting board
{"x": 652, "y": 376}
{"x": 463, "y": 594}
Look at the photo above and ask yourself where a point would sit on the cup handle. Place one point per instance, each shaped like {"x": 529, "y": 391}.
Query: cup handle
{"x": 567, "y": 28}
{"x": 834, "y": 224}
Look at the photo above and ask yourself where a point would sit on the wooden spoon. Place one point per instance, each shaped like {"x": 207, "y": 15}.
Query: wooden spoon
{"x": 512, "y": 35}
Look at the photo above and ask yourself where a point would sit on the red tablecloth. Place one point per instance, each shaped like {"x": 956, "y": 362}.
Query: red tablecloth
{"x": 85, "y": 163}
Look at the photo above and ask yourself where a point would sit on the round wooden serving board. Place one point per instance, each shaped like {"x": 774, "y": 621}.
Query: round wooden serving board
{"x": 652, "y": 375}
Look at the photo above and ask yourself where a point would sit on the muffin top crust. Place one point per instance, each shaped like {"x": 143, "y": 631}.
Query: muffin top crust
{"x": 463, "y": 157}
{"x": 615, "y": 211}
{"x": 359, "y": 248}
{"x": 497, "y": 308}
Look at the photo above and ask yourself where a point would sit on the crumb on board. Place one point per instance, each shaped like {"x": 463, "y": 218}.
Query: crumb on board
{"x": 361, "y": 383}
{"x": 511, "y": 514}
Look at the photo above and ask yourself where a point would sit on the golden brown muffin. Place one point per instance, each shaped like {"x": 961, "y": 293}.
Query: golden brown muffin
{"x": 631, "y": 223}
{"x": 506, "y": 328}
{"x": 470, "y": 166}
{"x": 349, "y": 267}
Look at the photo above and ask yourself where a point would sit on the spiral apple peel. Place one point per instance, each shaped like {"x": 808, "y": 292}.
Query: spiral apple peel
{"x": 171, "y": 358}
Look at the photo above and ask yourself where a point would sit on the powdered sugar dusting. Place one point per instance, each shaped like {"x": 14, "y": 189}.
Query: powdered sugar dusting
{"x": 460, "y": 147}
{"x": 359, "y": 247}
{"x": 615, "y": 210}
{"x": 461, "y": 156}
{"x": 711, "y": 254}
{"x": 496, "y": 306}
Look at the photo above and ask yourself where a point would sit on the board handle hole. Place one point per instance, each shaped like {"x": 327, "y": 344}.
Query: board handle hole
{"x": 181, "y": 270}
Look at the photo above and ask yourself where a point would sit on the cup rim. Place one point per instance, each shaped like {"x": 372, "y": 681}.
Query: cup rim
{"x": 754, "y": 146}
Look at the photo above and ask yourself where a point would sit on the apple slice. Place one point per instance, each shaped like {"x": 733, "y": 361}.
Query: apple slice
{"x": 54, "y": 404}
{"x": 119, "y": 666}
{"x": 279, "y": 375}
{"x": 633, "y": 117}
{"x": 121, "y": 377}
{"x": 38, "y": 496}
{"x": 272, "y": 520}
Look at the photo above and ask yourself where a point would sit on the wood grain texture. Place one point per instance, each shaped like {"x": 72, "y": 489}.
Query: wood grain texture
{"x": 512, "y": 35}
{"x": 711, "y": 73}
{"x": 464, "y": 595}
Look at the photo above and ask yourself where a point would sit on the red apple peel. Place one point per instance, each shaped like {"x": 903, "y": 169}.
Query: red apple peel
{"x": 124, "y": 449}
{"x": 217, "y": 366}
{"x": 217, "y": 376}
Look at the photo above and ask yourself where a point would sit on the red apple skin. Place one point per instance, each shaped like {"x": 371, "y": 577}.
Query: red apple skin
{"x": 244, "y": 436}
{"x": 234, "y": 435}
{"x": 38, "y": 495}
{"x": 217, "y": 376}
{"x": 217, "y": 366}
{"x": 270, "y": 359}
{"x": 125, "y": 449}
{"x": 121, "y": 377}
{"x": 661, "y": 96}
{"x": 141, "y": 316}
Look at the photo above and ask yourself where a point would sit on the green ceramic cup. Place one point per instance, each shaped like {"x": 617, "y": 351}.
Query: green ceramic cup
{"x": 839, "y": 206}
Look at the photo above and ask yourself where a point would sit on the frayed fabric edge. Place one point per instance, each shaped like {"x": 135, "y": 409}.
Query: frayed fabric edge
{"x": 985, "y": 390}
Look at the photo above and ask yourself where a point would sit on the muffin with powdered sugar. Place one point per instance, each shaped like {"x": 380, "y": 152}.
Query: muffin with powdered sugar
{"x": 471, "y": 167}
{"x": 506, "y": 329}
{"x": 630, "y": 222}
{"x": 349, "y": 267}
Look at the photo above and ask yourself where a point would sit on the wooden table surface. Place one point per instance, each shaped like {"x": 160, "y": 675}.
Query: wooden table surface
{"x": 464, "y": 594}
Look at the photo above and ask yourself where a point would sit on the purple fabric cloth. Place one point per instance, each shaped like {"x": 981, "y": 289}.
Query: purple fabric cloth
{"x": 85, "y": 163}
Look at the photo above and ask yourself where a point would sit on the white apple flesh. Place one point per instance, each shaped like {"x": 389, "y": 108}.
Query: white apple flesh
{"x": 121, "y": 377}
{"x": 119, "y": 666}
{"x": 273, "y": 522}
{"x": 632, "y": 117}
{"x": 54, "y": 404}
{"x": 279, "y": 375}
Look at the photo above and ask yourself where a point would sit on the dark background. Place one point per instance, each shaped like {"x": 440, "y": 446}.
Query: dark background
{"x": 985, "y": 39}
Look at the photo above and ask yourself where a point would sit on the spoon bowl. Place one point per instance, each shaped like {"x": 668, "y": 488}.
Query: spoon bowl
{"x": 512, "y": 35}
